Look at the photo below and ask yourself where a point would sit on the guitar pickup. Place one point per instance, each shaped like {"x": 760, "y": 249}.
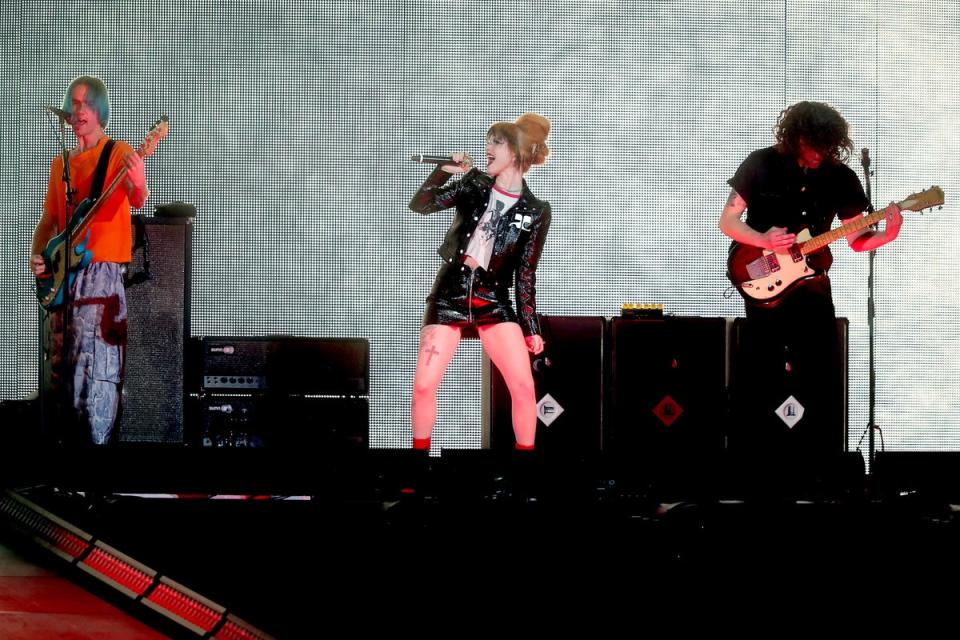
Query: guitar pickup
{"x": 763, "y": 266}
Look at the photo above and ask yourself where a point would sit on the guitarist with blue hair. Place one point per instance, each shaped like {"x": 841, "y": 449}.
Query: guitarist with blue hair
{"x": 97, "y": 331}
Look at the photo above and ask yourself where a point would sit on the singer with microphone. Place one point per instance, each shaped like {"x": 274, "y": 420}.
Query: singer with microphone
{"x": 494, "y": 242}
{"x": 94, "y": 324}
{"x": 799, "y": 183}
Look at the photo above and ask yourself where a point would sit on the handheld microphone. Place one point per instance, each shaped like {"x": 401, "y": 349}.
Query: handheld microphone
{"x": 431, "y": 158}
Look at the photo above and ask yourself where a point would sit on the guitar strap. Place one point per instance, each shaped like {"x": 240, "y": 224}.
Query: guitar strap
{"x": 100, "y": 174}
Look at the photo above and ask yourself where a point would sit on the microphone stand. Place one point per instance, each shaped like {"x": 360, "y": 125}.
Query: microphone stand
{"x": 66, "y": 418}
{"x": 871, "y": 316}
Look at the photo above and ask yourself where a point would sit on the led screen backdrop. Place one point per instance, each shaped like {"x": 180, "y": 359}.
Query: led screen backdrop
{"x": 291, "y": 124}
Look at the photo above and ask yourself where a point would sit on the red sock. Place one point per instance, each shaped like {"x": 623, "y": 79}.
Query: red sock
{"x": 523, "y": 447}
{"x": 421, "y": 443}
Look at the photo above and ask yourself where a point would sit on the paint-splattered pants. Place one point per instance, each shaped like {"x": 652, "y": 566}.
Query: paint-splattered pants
{"x": 98, "y": 341}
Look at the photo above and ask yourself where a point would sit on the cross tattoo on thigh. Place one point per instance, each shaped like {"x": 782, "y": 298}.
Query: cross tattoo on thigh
{"x": 430, "y": 351}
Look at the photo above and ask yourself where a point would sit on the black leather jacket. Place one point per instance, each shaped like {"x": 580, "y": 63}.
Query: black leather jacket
{"x": 520, "y": 234}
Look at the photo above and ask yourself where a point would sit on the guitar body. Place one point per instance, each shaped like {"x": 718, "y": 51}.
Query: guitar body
{"x": 765, "y": 277}
{"x": 50, "y": 286}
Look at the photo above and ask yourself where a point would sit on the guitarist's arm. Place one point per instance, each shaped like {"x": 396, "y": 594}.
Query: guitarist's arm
{"x": 775, "y": 238}
{"x": 136, "y": 182}
{"x": 867, "y": 240}
{"x": 47, "y": 226}
{"x": 45, "y": 230}
{"x": 127, "y": 163}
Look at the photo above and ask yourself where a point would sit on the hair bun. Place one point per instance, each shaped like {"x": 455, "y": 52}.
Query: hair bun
{"x": 535, "y": 129}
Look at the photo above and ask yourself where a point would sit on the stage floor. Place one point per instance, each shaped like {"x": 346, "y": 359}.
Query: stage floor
{"x": 293, "y": 542}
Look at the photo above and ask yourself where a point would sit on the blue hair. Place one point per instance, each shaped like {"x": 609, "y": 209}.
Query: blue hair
{"x": 96, "y": 95}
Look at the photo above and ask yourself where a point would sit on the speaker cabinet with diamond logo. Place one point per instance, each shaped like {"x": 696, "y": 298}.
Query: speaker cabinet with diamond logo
{"x": 788, "y": 392}
{"x": 569, "y": 380}
{"x": 667, "y": 387}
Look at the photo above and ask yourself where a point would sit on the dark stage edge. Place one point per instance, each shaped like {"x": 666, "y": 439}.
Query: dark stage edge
{"x": 384, "y": 529}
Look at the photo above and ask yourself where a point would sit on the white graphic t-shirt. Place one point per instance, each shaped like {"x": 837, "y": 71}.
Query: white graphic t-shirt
{"x": 481, "y": 244}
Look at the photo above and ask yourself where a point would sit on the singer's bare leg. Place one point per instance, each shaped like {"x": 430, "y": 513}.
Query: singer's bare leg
{"x": 507, "y": 349}
{"x": 438, "y": 343}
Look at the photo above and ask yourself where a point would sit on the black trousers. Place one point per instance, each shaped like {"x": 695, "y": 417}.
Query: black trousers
{"x": 792, "y": 349}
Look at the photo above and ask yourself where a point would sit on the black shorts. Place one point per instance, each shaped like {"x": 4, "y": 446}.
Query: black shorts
{"x": 466, "y": 298}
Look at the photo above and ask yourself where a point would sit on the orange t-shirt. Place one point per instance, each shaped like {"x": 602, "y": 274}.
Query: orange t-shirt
{"x": 110, "y": 230}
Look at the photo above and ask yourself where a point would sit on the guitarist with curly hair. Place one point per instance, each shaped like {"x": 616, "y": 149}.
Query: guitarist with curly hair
{"x": 799, "y": 183}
